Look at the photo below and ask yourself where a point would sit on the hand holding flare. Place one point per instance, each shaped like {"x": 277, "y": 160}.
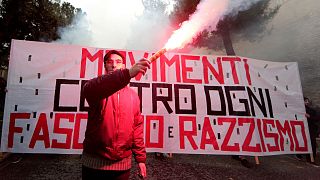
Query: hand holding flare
{"x": 144, "y": 64}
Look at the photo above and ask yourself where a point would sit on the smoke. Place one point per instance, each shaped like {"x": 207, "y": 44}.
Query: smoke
{"x": 206, "y": 17}
{"x": 151, "y": 30}
{"x": 77, "y": 33}
{"x": 293, "y": 34}
{"x": 236, "y": 6}
{"x": 128, "y": 25}
{"x": 118, "y": 24}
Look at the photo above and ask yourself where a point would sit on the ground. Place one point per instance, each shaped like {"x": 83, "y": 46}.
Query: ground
{"x": 181, "y": 166}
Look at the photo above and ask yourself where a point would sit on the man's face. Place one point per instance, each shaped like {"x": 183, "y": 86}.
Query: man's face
{"x": 113, "y": 63}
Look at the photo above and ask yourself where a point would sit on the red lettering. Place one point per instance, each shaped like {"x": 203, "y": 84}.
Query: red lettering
{"x": 303, "y": 133}
{"x": 76, "y": 131}
{"x": 12, "y": 126}
{"x": 246, "y": 67}
{"x": 207, "y": 65}
{"x": 246, "y": 144}
{"x": 154, "y": 70}
{"x": 174, "y": 60}
{"x": 186, "y": 69}
{"x": 87, "y": 55}
{"x": 66, "y": 131}
{"x": 261, "y": 135}
{"x": 42, "y": 125}
{"x": 183, "y": 133}
{"x": 207, "y": 129}
{"x": 285, "y": 130}
{"x": 158, "y": 144}
{"x": 233, "y": 67}
{"x": 133, "y": 61}
{"x": 274, "y": 136}
{"x": 225, "y": 146}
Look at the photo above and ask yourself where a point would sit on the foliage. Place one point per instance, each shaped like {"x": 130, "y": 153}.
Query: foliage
{"x": 34, "y": 20}
{"x": 153, "y": 5}
{"x": 182, "y": 11}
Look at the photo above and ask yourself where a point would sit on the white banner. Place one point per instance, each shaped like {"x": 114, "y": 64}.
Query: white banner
{"x": 196, "y": 104}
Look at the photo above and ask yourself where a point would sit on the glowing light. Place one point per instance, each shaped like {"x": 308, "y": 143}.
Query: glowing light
{"x": 207, "y": 16}
{"x": 157, "y": 55}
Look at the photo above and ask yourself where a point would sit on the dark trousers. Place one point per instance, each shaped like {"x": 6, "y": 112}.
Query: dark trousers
{"x": 96, "y": 174}
{"x": 313, "y": 132}
{"x": 313, "y": 138}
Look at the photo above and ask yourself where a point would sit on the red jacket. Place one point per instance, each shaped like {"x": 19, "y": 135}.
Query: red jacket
{"x": 114, "y": 129}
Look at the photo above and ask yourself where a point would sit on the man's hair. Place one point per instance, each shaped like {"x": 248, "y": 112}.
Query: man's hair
{"x": 106, "y": 57}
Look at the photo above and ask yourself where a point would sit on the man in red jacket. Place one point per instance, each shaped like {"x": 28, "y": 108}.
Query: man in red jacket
{"x": 115, "y": 125}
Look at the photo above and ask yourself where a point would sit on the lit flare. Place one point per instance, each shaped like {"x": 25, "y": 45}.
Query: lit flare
{"x": 157, "y": 55}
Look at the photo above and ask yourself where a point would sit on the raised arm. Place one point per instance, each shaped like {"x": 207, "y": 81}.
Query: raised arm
{"x": 103, "y": 86}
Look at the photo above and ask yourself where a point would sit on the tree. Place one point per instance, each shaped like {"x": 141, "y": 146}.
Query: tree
{"x": 34, "y": 20}
{"x": 153, "y": 5}
{"x": 258, "y": 14}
